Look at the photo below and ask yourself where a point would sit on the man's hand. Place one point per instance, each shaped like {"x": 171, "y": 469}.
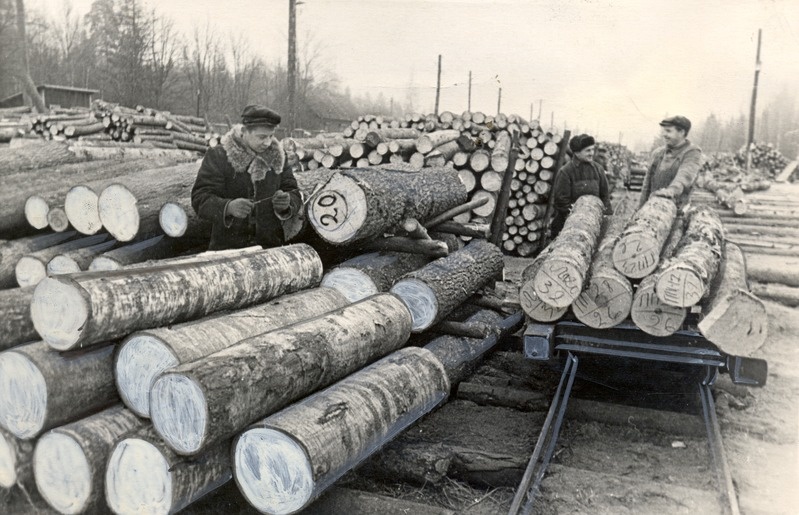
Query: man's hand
{"x": 664, "y": 193}
{"x": 281, "y": 201}
{"x": 239, "y": 208}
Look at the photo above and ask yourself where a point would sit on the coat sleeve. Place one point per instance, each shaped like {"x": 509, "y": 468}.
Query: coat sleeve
{"x": 561, "y": 190}
{"x": 686, "y": 174}
{"x": 288, "y": 183}
{"x": 604, "y": 189}
{"x": 208, "y": 196}
{"x": 647, "y": 185}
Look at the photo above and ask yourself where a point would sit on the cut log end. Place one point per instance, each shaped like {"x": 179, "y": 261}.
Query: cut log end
{"x": 339, "y": 212}
{"x": 119, "y": 212}
{"x": 536, "y": 308}
{"x": 36, "y": 210}
{"x": 679, "y": 286}
{"x": 605, "y": 302}
{"x": 179, "y": 412}
{"x": 80, "y": 205}
{"x": 558, "y": 283}
{"x": 8, "y": 463}
{"x": 29, "y": 271}
{"x": 738, "y": 324}
{"x": 636, "y": 255}
{"x": 59, "y": 313}
{"x": 62, "y": 472}
{"x": 104, "y": 264}
{"x": 57, "y": 219}
{"x": 273, "y": 471}
{"x": 60, "y": 265}
{"x": 420, "y": 300}
{"x": 350, "y": 282}
{"x": 653, "y": 316}
{"x": 173, "y": 219}
{"x": 138, "y": 479}
{"x": 141, "y": 359}
{"x": 23, "y": 395}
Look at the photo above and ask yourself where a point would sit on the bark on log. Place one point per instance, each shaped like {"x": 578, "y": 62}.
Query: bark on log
{"x": 73, "y": 131}
{"x": 637, "y": 252}
{"x": 124, "y": 151}
{"x": 35, "y": 156}
{"x": 12, "y": 251}
{"x": 560, "y": 279}
{"x": 16, "y": 468}
{"x": 16, "y": 326}
{"x": 427, "y": 142}
{"x": 501, "y": 153}
{"x": 159, "y": 247}
{"x": 648, "y": 312}
{"x": 90, "y": 308}
{"x": 688, "y": 277}
{"x": 531, "y": 303}
{"x": 41, "y": 389}
{"x": 69, "y": 462}
{"x": 434, "y": 291}
{"x": 455, "y": 211}
{"x": 313, "y": 443}
{"x": 32, "y": 268}
{"x": 733, "y": 318}
{"x": 777, "y": 292}
{"x": 199, "y": 403}
{"x": 145, "y": 476}
{"x": 773, "y": 269}
{"x": 362, "y": 204}
{"x": 377, "y": 136}
{"x": 77, "y": 260}
{"x": 145, "y": 355}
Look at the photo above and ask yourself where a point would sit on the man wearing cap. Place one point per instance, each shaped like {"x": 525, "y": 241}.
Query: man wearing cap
{"x": 581, "y": 176}
{"x": 675, "y": 166}
{"x": 245, "y": 186}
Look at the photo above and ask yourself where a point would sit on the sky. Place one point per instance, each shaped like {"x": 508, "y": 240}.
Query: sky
{"x": 613, "y": 68}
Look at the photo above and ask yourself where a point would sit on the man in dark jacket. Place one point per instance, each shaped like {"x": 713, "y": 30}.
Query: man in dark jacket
{"x": 245, "y": 186}
{"x": 674, "y": 167}
{"x": 581, "y": 176}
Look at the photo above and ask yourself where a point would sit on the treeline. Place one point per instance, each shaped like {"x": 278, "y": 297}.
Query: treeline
{"x": 136, "y": 56}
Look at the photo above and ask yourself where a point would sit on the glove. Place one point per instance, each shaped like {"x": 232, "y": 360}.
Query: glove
{"x": 239, "y": 208}
{"x": 281, "y": 201}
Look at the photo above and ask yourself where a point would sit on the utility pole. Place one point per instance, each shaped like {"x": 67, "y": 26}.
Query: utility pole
{"x": 551, "y": 121}
{"x": 499, "y": 101}
{"x": 469, "y": 101}
{"x": 292, "y": 65}
{"x": 531, "y": 111}
{"x": 540, "y": 106}
{"x": 438, "y": 84}
{"x": 752, "y": 111}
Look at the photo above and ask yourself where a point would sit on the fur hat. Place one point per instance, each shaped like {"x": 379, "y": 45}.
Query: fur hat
{"x": 581, "y": 142}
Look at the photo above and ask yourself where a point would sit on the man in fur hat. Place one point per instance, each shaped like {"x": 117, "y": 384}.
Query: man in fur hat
{"x": 245, "y": 186}
{"x": 581, "y": 176}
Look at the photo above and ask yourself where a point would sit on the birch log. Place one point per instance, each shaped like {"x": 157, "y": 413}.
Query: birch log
{"x": 531, "y": 303}
{"x": 158, "y": 247}
{"x": 206, "y": 401}
{"x": 77, "y": 311}
{"x": 145, "y": 355}
{"x": 41, "y": 389}
{"x": 16, "y": 463}
{"x": 32, "y": 268}
{"x": 15, "y": 321}
{"x": 637, "y": 252}
{"x": 12, "y": 251}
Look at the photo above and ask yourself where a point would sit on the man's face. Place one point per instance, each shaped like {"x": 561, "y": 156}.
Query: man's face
{"x": 672, "y": 135}
{"x": 586, "y": 154}
{"x": 258, "y": 138}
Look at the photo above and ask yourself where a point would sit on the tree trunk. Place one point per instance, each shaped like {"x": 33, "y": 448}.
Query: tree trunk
{"x": 637, "y": 252}
{"x": 97, "y": 307}
{"x": 43, "y": 154}
{"x": 12, "y": 251}
{"x": 365, "y": 204}
{"x": 501, "y": 153}
{"x": 78, "y": 260}
{"x": 209, "y": 400}
{"x": 455, "y": 211}
{"x": 16, "y": 463}
{"x": 70, "y": 461}
{"x": 145, "y": 476}
{"x": 560, "y": 279}
{"x": 159, "y": 247}
{"x": 16, "y": 326}
{"x": 143, "y": 356}
{"x": 23, "y": 69}
{"x": 377, "y": 136}
{"x": 178, "y": 219}
{"x": 733, "y": 318}
{"x": 687, "y": 278}
{"x": 427, "y": 142}
{"x": 531, "y": 303}
{"x": 648, "y": 312}
{"x": 319, "y": 439}
{"x": 125, "y": 151}
{"x": 434, "y": 291}
{"x": 41, "y": 389}
{"x": 73, "y": 131}
{"x": 32, "y": 268}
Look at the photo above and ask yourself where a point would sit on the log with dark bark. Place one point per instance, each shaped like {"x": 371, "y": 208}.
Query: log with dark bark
{"x": 85, "y": 309}
{"x": 32, "y": 268}
{"x": 637, "y": 252}
{"x": 732, "y": 317}
{"x": 688, "y": 277}
{"x": 159, "y": 247}
{"x": 124, "y": 151}
{"x": 434, "y": 291}
{"x": 377, "y": 136}
{"x": 35, "y": 156}
{"x": 16, "y": 326}
{"x": 77, "y": 260}
{"x": 41, "y": 389}
{"x": 146, "y": 476}
{"x": 211, "y": 399}
{"x": 16, "y": 463}
{"x": 562, "y": 274}
{"x": 431, "y": 248}
{"x": 145, "y": 355}
{"x": 363, "y": 204}
{"x": 69, "y": 461}
{"x": 455, "y": 211}
{"x": 12, "y": 251}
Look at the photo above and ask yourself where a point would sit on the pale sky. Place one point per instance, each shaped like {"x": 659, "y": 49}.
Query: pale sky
{"x": 605, "y": 66}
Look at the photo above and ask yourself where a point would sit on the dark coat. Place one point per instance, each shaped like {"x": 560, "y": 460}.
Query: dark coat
{"x": 575, "y": 179}
{"x": 224, "y": 176}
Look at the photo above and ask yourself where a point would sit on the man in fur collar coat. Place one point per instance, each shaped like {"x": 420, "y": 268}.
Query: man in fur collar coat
{"x": 245, "y": 186}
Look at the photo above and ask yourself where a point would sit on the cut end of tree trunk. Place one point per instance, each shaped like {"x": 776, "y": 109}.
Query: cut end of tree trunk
{"x": 141, "y": 359}
{"x": 536, "y": 308}
{"x": 558, "y": 283}
{"x": 179, "y": 412}
{"x": 59, "y": 313}
{"x": 104, "y": 264}
{"x": 339, "y": 212}
{"x": 420, "y": 300}
{"x": 350, "y": 282}
{"x": 36, "y": 210}
{"x": 118, "y": 212}
{"x": 138, "y": 479}
{"x": 606, "y": 301}
{"x": 679, "y": 286}
{"x": 57, "y": 219}
{"x": 653, "y": 316}
{"x": 738, "y": 324}
{"x": 60, "y": 265}
{"x": 637, "y": 255}
{"x": 173, "y": 219}
{"x": 23, "y": 395}
{"x": 266, "y": 453}
{"x": 63, "y": 475}
{"x": 80, "y": 205}
{"x": 8, "y": 463}
{"x": 30, "y": 271}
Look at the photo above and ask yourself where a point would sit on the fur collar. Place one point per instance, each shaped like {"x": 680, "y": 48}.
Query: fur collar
{"x": 244, "y": 160}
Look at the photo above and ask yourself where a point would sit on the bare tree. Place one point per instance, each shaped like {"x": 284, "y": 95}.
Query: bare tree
{"x": 163, "y": 52}
{"x": 22, "y": 71}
